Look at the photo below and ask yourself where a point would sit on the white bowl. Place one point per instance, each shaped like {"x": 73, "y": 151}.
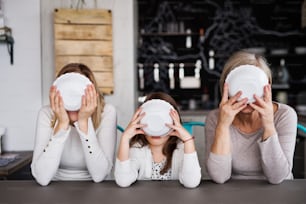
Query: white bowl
{"x": 249, "y": 79}
{"x": 157, "y": 115}
{"x": 72, "y": 87}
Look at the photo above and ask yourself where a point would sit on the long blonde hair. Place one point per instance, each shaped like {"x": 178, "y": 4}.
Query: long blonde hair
{"x": 84, "y": 70}
{"x": 244, "y": 57}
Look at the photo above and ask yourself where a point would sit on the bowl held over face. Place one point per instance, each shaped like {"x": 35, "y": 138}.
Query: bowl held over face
{"x": 157, "y": 115}
{"x": 249, "y": 79}
{"x": 72, "y": 87}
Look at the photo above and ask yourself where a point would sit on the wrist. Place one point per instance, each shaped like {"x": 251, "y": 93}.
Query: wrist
{"x": 188, "y": 139}
{"x": 63, "y": 125}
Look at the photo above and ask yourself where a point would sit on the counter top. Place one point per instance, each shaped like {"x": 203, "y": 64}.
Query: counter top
{"x": 154, "y": 192}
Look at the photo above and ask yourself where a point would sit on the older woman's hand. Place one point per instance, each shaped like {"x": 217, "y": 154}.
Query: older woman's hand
{"x": 265, "y": 108}
{"x": 229, "y": 107}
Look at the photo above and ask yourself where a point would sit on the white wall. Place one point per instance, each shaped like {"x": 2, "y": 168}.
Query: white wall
{"x": 20, "y": 83}
{"x": 24, "y": 86}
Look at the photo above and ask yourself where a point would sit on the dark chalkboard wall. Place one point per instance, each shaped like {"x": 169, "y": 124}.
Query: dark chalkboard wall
{"x": 187, "y": 31}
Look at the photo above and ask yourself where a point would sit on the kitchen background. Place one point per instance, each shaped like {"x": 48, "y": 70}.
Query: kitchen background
{"x": 174, "y": 46}
{"x": 182, "y": 46}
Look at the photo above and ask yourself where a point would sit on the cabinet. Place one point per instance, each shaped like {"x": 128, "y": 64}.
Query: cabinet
{"x": 199, "y": 36}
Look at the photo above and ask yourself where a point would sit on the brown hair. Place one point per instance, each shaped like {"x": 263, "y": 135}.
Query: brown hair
{"x": 171, "y": 143}
{"x": 84, "y": 70}
{"x": 244, "y": 57}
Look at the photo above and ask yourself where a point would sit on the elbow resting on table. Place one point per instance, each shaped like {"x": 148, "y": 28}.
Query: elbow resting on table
{"x": 191, "y": 181}
{"x": 191, "y": 184}
{"x": 275, "y": 180}
{"x": 220, "y": 180}
{"x": 98, "y": 179}
{"x": 123, "y": 183}
{"x": 42, "y": 181}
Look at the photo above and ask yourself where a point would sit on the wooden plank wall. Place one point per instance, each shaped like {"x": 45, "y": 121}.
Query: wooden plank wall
{"x": 85, "y": 36}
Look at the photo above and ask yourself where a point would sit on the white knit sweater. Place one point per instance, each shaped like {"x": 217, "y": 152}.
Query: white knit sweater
{"x": 71, "y": 154}
{"x": 185, "y": 167}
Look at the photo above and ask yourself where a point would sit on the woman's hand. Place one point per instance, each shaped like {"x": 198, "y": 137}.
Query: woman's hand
{"x": 266, "y": 110}
{"x": 88, "y": 107}
{"x": 57, "y": 106}
{"x": 89, "y": 103}
{"x": 230, "y": 107}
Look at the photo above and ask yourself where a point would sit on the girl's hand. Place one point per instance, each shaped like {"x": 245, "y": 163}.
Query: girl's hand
{"x": 89, "y": 104}
{"x": 134, "y": 127}
{"x": 178, "y": 130}
{"x": 181, "y": 132}
{"x": 266, "y": 110}
{"x": 57, "y": 106}
{"x": 230, "y": 107}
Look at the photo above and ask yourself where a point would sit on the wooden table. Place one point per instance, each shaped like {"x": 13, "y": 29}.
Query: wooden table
{"x": 153, "y": 192}
{"x": 24, "y": 158}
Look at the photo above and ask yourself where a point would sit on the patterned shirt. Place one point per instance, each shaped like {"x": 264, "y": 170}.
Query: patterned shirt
{"x": 156, "y": 168}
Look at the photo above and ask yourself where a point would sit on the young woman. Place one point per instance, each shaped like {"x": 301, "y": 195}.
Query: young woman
{"x": 170, "y": 157}
{"x": 75, "y": 145}
{"x": 250, "y": 140}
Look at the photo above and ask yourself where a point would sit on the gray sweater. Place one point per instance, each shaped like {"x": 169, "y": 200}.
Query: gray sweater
{"x": 252, "y": 158}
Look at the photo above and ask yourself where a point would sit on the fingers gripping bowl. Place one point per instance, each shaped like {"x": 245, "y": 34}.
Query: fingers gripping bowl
{"x": 249, "y": 79}
{"x": 157, "y": 115}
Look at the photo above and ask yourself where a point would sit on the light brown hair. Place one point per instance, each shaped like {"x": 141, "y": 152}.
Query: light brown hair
{"x": 244, "y": 57}
{"x": 84, "y": 70}
{"x": 171, "y": 143}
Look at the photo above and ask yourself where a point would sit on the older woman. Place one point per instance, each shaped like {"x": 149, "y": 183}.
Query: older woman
{"x": 250, "y": 140}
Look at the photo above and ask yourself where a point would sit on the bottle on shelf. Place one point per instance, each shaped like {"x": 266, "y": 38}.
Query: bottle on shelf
{"x": 188, "y": 38}
{"x": 211, "y": 60}
{"x": 282, "y": 79}
{"x": 156, "y": 72}
{"x": 171, "y": 76}
{"x": 181, "y": 71}
{"x": 141, "y": 76}
{"x": 282, "y": 73}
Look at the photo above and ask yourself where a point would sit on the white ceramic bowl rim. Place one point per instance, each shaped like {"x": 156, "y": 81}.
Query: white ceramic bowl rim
{"x": 72, "y": 87}
{"x": 249, "y": 79}
{"x": 157, "y": 115}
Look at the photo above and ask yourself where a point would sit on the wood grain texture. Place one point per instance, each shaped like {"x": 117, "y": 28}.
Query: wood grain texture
{"x": 85, "y": 36}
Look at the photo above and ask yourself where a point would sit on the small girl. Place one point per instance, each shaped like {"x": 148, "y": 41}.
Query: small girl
{"x": 143, "y": 157}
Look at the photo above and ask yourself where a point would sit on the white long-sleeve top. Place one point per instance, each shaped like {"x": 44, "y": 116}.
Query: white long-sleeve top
{"x": 185, "y": 167}
{"x": 252, "y": 158}
{"x": 71, "y": 154}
